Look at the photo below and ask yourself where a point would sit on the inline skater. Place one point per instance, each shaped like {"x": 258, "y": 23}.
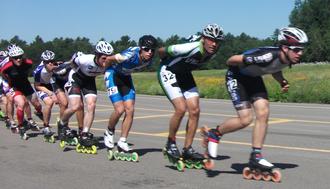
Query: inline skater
{"x": 42, "y": 83}
{"x": 16, "y": 73}
{"x": 121, "y": 89}
{"x": 176, "y": 79}
{"x": 247, "y": 90}
{"x": 82, "y": 82}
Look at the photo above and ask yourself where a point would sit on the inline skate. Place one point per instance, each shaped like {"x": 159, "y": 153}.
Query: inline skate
{"x": 48, "y": 135}
{"x": 210, "y": 141}
{"x": 30, "y": 124}
{"x": 22, "y": 133}
{"x": 192, "y": 159}
{"x": 259, "y": 168}
{"x": 124, "y": 152}
{"x": 87, "y": 143}
{"x": 172, "y": 153}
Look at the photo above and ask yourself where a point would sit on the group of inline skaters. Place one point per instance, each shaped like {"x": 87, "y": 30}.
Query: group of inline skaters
{"x": 67, "y": 83}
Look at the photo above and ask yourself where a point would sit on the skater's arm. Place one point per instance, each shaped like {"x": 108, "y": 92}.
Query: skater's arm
{"x": 39, "y": 87}
{"x": 235, "y": 60}
{"x": 278, "y": 76}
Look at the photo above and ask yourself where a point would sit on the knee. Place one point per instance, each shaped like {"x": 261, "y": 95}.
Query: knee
{"x": 91, "y": 106}
{"x": 180, "y": 111}
{"x": 246, "y": 120}
{"x": 194, "y": 112}
{"x": 129, "y": 110}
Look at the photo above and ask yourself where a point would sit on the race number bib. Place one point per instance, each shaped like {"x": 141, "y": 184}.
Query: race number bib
{"x": 112, "y": 91}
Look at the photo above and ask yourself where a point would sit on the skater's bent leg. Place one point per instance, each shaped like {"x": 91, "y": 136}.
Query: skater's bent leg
{"x": 128, "y": 119}
{"x": 179, "y": 105}
{"x": 89, "y": 115}
{"x": 244, "y": 119}
{"x": 20, "y": 102}
{"x": 261, "y": 108}
{"x": 192, "y": 124}
{"x": 47, "y": 110}
{"x": 75, "y": 105}
{"x": 116, "y": 114}
{"x": 62, "y": 101}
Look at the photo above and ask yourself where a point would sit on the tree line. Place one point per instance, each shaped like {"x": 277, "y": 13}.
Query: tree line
{"x": 312, "y": 16}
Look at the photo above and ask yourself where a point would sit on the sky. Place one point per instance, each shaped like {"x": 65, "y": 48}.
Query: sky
{"x": 110, "y": 19}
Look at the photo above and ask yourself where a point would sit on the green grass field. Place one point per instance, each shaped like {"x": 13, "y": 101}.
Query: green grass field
{"x": 309, "y": 83}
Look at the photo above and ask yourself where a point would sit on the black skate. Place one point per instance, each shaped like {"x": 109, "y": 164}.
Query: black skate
{"x": 87, "y": 144}
{"x": 172, "y": 153}
{"x": 192, "y": 159}
{"x": 48, "y": 135}
{"x": 259, "y": 168}
{"x": 67, "y": 136}
{"x": 30, "y": 124}
{"x": 7, "y": 123}
{"x": 124, "y": 153}
{"x": 22, "y": 133}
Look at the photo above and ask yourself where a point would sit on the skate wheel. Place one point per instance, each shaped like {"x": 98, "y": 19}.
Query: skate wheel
{"x": 75, "y": 141}
{"x": 45, "y": 139}
{"x": 110, "y": 155}
{"x": 78, "y": 148}
{"x": 128, "y": 157}
{"x": 135, "y": 157}
{"x": 62, "y": 144}
{"x": 198, "y": 165}
{"x": 247, "y": 173}
{"x": 189, "y": 165}
{"x": 122, "y": 156}
{"x": 52, "y": 139}
{"x": 277, "y": 176}
{"x": 116, "y": 155}
{"x": 256, "y": 175}
{"x": 209, "y": 164}
{"x": 266, "y": 176}
{"x": 180, "y": 166}
{"x": 94, "y": 149}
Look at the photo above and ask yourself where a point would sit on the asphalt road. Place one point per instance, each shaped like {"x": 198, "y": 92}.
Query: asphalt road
{"x": 298, "y": 142}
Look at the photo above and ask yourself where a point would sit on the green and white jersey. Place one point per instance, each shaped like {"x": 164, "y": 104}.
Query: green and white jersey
{"x": 185, "y": 57}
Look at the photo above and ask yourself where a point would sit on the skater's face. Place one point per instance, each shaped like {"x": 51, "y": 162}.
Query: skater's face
{"x": 293, "y": 53}
{"x": 17, "y": 60}
{"x": 50, "y": 65}
{"x": 211, "y": 46}
{"x": 147, "y": 54}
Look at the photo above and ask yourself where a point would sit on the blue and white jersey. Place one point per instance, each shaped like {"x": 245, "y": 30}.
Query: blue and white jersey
{"x": 129, "y": 61}
{"x": 41, "y": 75}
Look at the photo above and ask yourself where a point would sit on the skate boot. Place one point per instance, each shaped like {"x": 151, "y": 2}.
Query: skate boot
{"x": 259, "y": 168}
{"x": 31, "y": 124}
{"x": 39, "y": 115}
{"x": 67, "y": 137}
{"x": 13, "y": 127}
{"x": 22, "y": 133}
{"x": 7, "y": 123}
{"x": 172, "y": 153}
{"x": 87, "y": 144}
{"x": 108, "y": 139}
{"x": 193, "y": 159}
{"x": 48, "y": 135}
{"x": 210, "y": 141}
{"x": 124, "y": 152}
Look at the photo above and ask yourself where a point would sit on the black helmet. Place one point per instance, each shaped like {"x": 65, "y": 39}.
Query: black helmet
{"x": 148, "y": 41}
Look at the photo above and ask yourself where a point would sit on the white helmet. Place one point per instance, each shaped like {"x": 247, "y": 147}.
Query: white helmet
{"x": 3, "y": 53}
{"x": 213, "y": 31}
{"x": 47, "y": 55}
{"x": 14, "y": 50}
{"x": 103, "y": 47}
{"x": 292, "y": 36}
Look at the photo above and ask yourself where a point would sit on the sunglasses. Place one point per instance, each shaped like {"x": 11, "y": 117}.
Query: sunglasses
{"x": 148, "y": 49}
{"x": 17, "y": 57}
{"x": 296, "y": 49}
{"x": 51, "y": 62}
